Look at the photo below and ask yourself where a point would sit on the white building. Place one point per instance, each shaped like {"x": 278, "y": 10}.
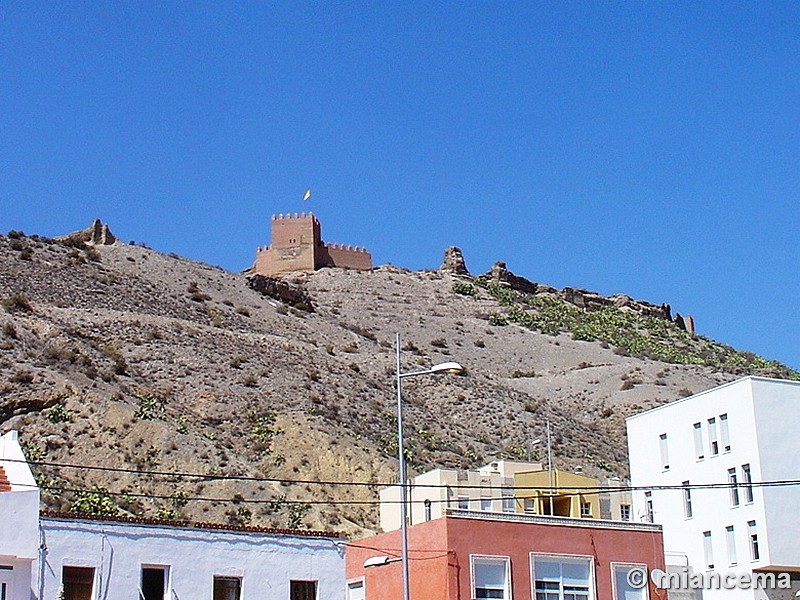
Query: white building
{"x": 19, "y": 521}
{"x": 47, "y": 557}
{"x": 490, "y": 488}
{"x": 731, "y": 438}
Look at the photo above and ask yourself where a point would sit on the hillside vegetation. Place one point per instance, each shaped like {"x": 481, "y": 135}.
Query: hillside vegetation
{"x": 138, "y": 362}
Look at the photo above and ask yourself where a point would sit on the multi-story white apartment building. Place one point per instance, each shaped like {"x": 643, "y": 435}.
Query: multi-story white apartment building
{"x": 703, "y": 467}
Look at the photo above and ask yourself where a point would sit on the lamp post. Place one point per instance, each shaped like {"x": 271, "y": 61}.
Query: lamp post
{"x": 447, "y": 367}
{"x": 549, "y": 464}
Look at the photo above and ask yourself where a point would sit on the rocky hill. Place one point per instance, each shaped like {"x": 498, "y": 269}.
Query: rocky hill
{"x": 194, "y": 395}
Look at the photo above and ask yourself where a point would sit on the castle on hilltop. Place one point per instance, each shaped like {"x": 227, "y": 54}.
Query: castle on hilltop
{"x": 296, "y": 245}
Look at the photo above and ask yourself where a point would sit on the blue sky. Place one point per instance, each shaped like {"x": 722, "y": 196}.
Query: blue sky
{"x": 647, "y": 148}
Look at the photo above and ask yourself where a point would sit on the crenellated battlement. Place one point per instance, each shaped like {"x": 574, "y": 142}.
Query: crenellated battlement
{"x": 293, "y": 216}
{"x": 296, "y": 245}
{"x": 348, "y": 248}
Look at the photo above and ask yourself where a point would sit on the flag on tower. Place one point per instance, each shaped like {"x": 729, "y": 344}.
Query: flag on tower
{"x": 307, "y": 195}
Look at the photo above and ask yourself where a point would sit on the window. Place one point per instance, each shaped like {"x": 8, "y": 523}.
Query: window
{"x": 751, "y": 529}
{"x": 355, "y": 590}
{"x": 664, "y": 452}
{"x": 427, "y": 509}
{"x": 734, "y": 487}
{"x": 687, "y": 500}
{"x": 153, "y": 583}
{"x": 648, "y": 506}
{"x": 730, "y": 543}
{"x": 747, "y": 479}
{"x": 77, "y": 582}
{"x": 508, "y": 499}
{"x": 713, "y": 442}
{"x": 698, "y": 442}
{"x": 486, "y": 504}
{"x": 625, "y": 512}
{"x": 490, "y": 577}
{"x": 623, "y": 590}
{"x": 561, "y": 578}
{"x": 463, "y": 502}
{"x": 708, "y": 550}
{"x": 528, "y": 505}
{"x": 302, "y": 590}
{"x": 586, "y": 509}
{"x": 227, "y": 588}
{"x": 723, "y": 428}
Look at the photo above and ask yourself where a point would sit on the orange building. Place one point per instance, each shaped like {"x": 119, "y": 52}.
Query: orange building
{"x": 296, "y": 245}
{"x": 471, "y": 555}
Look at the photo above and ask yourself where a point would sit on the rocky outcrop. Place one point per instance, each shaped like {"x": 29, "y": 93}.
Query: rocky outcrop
{"x": 453, "y": 262}
{"x": 585, "y": 299}
{"x": 281, "y": 290}
{"x": 500, "y": 275}
{"x": 97, "y": 234}
{"x": 593, "y": 301}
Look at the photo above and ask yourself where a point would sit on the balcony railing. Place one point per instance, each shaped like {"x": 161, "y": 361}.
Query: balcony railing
{"x": 548, "y": 520}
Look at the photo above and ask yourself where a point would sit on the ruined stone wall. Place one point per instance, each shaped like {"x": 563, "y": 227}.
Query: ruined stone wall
{"x": 344, "y": 257}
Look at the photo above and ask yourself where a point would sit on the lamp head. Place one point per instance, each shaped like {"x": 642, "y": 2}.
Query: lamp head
{"x": 448, "y": 367}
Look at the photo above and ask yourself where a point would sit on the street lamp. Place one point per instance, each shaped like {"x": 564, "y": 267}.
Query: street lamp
{"x": 440, "y": 369}
{"x": 549, "y": 464}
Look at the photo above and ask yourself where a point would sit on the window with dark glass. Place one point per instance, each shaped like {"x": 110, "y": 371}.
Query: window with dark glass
{"x": 302, "y": 590}
{"x": 227, "y": 588}
{"x": 153, "y": 583}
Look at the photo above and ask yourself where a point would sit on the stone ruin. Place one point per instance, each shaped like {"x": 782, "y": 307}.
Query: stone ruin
{"x": 454, "y": 264}
{"x": 97, "y": 234}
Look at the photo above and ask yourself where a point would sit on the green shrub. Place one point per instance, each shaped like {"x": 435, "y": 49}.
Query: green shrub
{"x": 464, "y": 289}
{"x": 58, "y": 413}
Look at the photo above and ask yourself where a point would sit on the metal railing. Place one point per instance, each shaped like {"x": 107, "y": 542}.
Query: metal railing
{"x": 549, "y": 520}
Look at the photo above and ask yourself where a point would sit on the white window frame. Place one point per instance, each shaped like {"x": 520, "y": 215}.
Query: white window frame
{"x": 699, "y": 448}
{"x": 733, "y": 488}
{"x": 624, "y": 565}
{"x": 708, "y": 550}
{"x": 663, "y": 448}
{"x": 463, "y": 500}
{"x": 490, "y": 558}
{"x": 724, "y": 433}
{"x": 747, "y": 483}
{"x": 688, "y": 513}
{"x": 713, "y": 438}
{"x": 508, "y": 499}
{"x": 623, "y": 508}
{"x": 167, "y": 576}
{"x": 564, "y": 557}
{"x": 752, "y": 534}
{"x": 353, "y": 581}
{"x": 730, "y": 545}
{"x": 649, "y": 512}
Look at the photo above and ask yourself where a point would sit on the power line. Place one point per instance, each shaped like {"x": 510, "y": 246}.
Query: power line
{"x": 577, "y": 489}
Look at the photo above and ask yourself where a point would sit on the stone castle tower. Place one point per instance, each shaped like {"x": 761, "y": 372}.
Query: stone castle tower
{"x": 296, "y": 245}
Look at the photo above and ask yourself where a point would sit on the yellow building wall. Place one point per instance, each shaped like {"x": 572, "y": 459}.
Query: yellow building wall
{"x": 570, "y": 490}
